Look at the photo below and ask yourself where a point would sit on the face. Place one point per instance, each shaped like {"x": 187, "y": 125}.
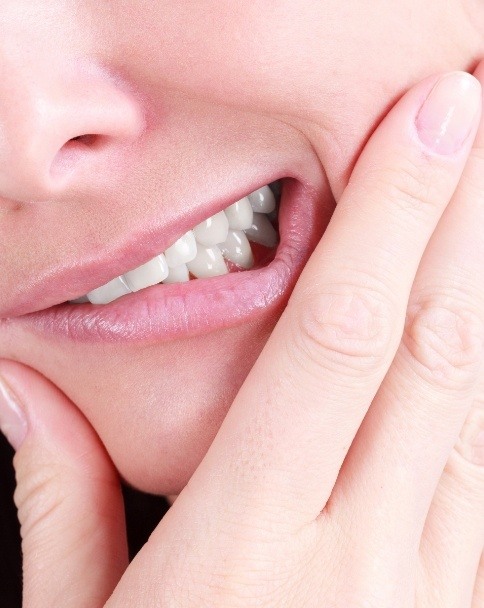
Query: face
{"x": 125, "y": 124}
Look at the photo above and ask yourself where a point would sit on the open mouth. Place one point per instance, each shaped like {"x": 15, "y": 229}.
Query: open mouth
{"x": 238, "y": 238}
{"x": 235, "y": 267}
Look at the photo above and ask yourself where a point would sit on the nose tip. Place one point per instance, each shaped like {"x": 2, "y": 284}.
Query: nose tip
{"x": 53, "y": 137}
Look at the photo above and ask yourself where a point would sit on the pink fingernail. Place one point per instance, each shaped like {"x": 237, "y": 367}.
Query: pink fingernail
{"x": 13, "y": 423}
{"x": 447, "y": 116}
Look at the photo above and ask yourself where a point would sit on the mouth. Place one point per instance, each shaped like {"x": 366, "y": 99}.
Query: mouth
{"x": 239, "y": 263}
{"x": 240, "y": 237}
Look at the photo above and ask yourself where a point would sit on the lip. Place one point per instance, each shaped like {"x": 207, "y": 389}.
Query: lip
{"x": 69, "y": 279}
{"x": 174, "y": 311}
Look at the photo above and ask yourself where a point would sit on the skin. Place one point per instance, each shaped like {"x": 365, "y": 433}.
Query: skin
{"x": 314, "y": 107}
{"x": 288, "y": 508}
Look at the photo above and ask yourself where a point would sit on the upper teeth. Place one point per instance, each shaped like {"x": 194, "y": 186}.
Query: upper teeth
{"x": 201, "y": 251}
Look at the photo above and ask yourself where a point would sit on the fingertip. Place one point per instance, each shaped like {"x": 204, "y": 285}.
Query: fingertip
{"x": 48, "y": 419}
{"x": 450, "y": 112}
{"x": 13, "y": 419}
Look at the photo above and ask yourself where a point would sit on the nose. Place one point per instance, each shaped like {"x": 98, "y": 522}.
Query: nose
{"x": 59, "y": 127}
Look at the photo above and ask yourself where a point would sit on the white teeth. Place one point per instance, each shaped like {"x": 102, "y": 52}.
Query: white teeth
{"x": 262, "y": 200}
{"x": 212, "y": 231}
{"x": 237, "y": 249}
{"x": 262, "y": 231}
{"x": 182, "y": 251}
{"x": 209, "y": 262}
{"x": 240, "y": 214}
{"x": 178, "y": 274}
{"x": 109, "y": 292}
{"x": 81, "y": 300}
{"x": 201, "y": 251}
{"x": 148, "y": 274}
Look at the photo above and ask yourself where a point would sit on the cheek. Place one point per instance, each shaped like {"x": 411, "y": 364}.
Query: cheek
{"x": 156, "y": 409}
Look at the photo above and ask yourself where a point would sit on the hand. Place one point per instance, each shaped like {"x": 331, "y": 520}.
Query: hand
{"x": 338, "y": 478}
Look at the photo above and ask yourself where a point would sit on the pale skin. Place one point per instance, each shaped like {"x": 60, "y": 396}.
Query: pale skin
{"x": 347, "y": 470}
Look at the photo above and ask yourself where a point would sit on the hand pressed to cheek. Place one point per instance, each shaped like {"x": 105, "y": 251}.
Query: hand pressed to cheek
{"x": 418, "y": 412}
{"x": 349, "y": 303}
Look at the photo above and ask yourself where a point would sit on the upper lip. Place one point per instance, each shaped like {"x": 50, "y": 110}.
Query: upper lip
{"x": 73, "y": 280}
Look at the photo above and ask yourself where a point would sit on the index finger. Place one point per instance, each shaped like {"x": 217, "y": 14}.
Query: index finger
{"x": 284, "y": 439}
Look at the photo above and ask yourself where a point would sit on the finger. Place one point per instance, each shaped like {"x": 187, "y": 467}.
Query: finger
{"x": 415, "y": 419}
{"x": 453, "y": 537}
{"x": 478, "y": 599}
{"x": 288, "y": 431}
{"x": 68, "y": 496}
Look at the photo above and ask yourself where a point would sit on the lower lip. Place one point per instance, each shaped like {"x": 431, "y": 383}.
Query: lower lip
{"x": 168, "y": 312}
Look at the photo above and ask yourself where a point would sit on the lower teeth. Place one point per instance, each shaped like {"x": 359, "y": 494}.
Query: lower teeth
{"x": 202, "y": 251}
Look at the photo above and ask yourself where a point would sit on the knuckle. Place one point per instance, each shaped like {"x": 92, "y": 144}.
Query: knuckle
{"x": 348, "y": 327}
{"x": 445, "y": 337}
{"x": 38, "y": 496}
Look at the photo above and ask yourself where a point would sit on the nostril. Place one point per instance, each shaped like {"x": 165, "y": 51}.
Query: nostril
{"x": 72, "y": 153}
{"x": 87, "y": 140}
{"x": 75, "y": 121}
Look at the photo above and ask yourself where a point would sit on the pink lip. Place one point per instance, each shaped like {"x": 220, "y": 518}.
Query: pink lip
{"x": 166, "y": 312}
{"x": 69, "y": 280}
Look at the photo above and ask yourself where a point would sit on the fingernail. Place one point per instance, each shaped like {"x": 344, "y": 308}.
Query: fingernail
{"x": 447, "y": 116}
{"x": 13, "y": 422}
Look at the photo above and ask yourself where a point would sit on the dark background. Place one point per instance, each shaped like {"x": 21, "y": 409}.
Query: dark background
{"x": 143, "y": 513}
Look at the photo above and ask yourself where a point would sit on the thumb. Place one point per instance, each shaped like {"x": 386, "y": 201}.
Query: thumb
{"x": 68, "y": 495}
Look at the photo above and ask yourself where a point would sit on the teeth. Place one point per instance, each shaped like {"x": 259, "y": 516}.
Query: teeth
{"x": 209, "y": 262}
{"x": 182, "y": 251}
{"x": 201, "y": 251}
{"x": 273, "y": 216}
{"x": 109, "y": 292}
{"x": 81, "y": 300}
{"x": 237, "y": 249}
{"x": 262, "y": 200}
{"x": 212, "y": 231}
{"x": 148, "y": 274}
{"x": 262, "y": 231}
{"x": 240, "y": 214}
{"x": 178, "y": 274}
